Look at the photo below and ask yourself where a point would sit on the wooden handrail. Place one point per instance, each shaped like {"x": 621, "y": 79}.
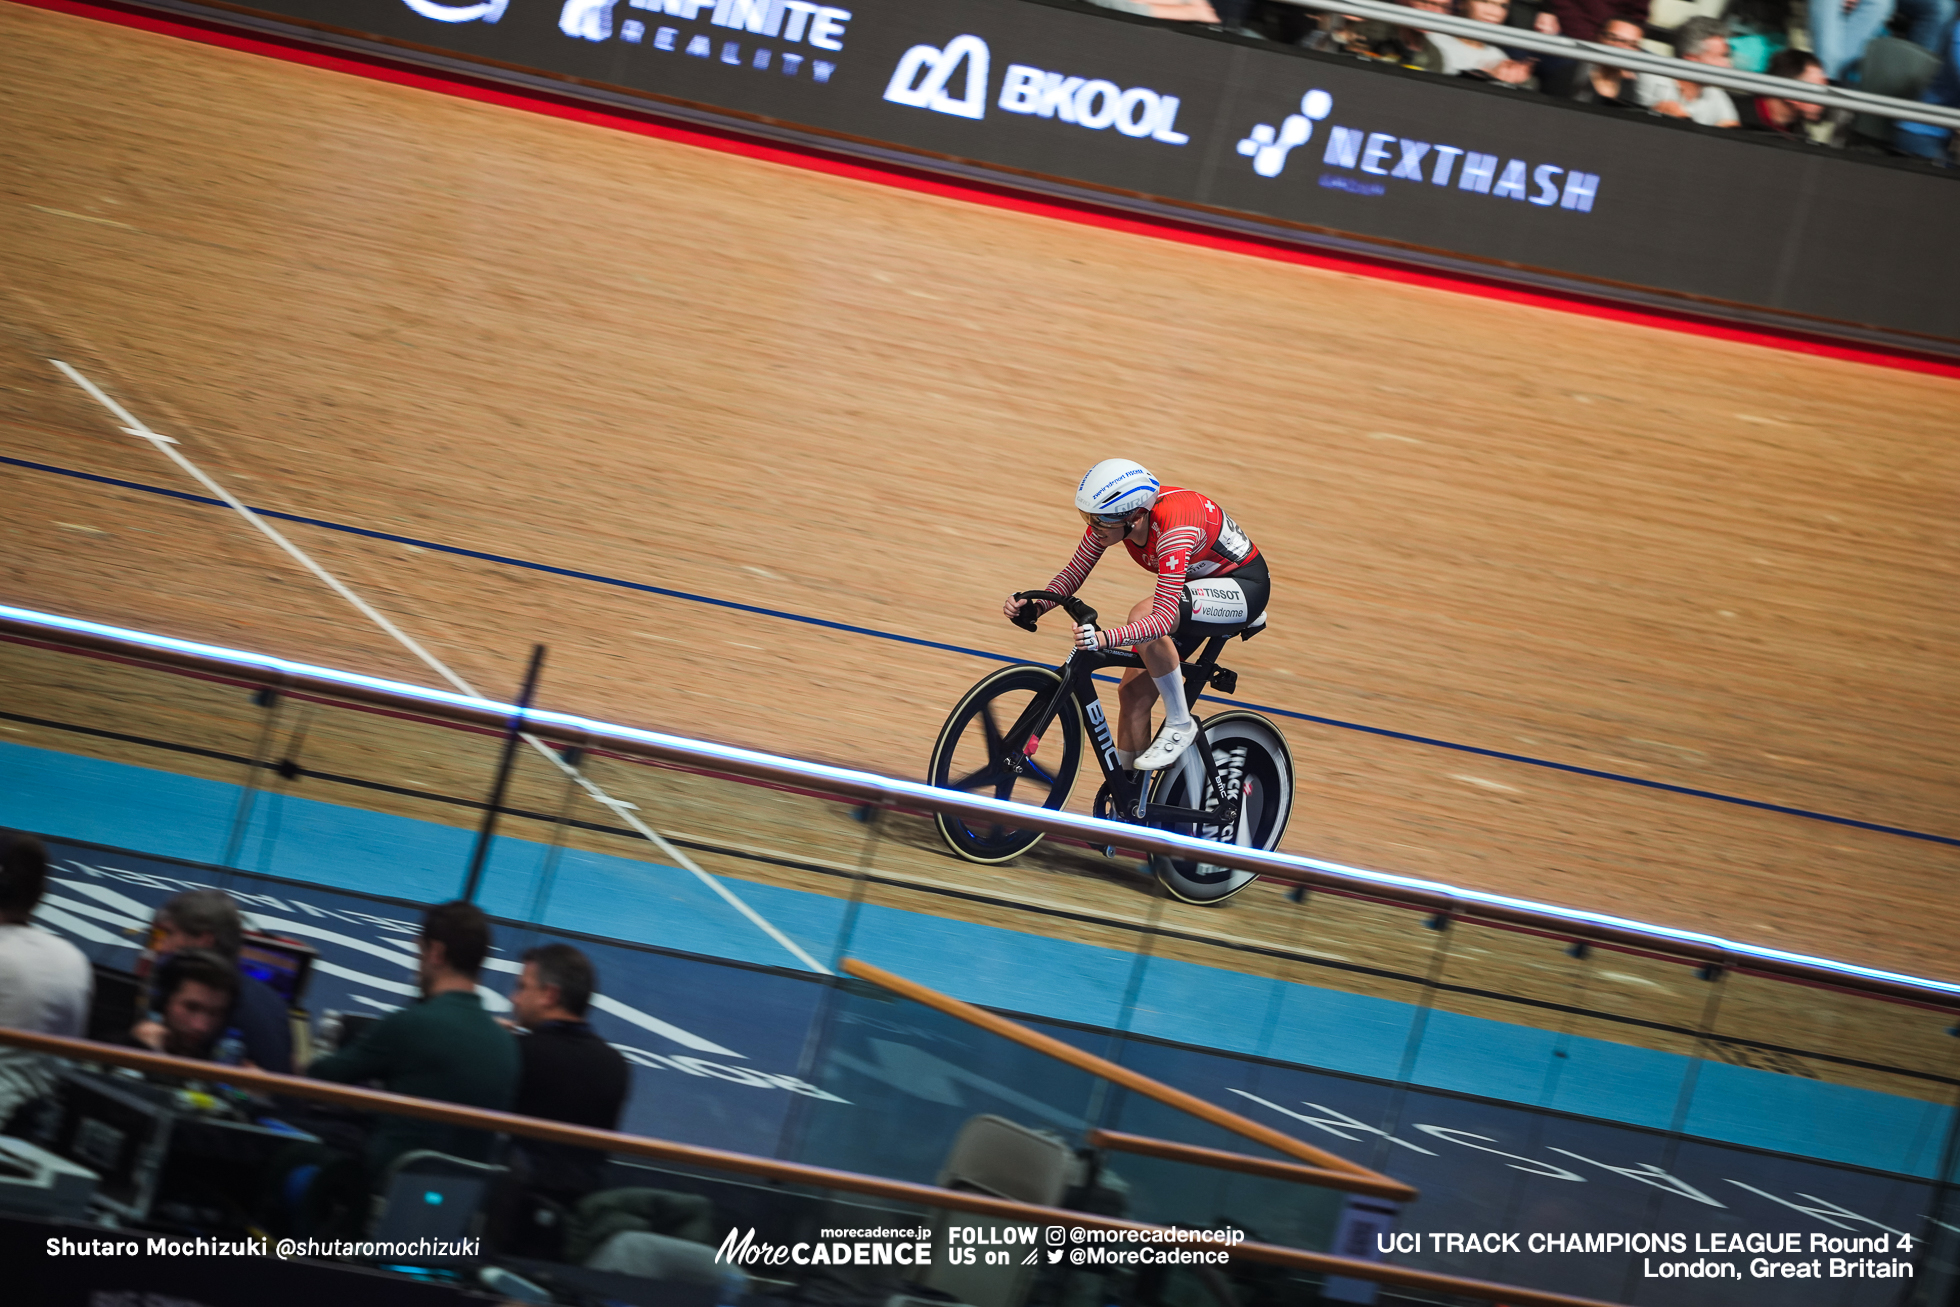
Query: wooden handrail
{"x": 767, "y": 1168}
{"x": 1219, "y": 1159}
{"x": 1225, "y": 1119}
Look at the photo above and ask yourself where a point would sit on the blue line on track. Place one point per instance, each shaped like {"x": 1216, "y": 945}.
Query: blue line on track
{"x": 574, "y": 573}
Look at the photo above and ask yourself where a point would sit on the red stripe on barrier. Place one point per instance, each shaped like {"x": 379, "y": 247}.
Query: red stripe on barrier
{"x": 1188, "y": 233}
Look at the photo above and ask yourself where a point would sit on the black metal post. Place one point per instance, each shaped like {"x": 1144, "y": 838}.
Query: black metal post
{"x": 489, "y": 827}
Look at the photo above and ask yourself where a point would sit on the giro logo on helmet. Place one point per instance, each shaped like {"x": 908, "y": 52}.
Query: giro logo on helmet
{"x": 1115, "y": 487}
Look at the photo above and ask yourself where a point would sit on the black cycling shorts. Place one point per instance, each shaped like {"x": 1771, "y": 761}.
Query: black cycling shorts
{"x": 1221, "y": 605}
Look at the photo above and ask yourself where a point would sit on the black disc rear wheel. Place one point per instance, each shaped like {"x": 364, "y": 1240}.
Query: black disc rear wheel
{"x": 977, "y": 752}
{"x": 1253, "y": 765}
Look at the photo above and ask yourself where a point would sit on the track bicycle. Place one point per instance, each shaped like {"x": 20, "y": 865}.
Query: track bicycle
{"x": 1022, "y": 727}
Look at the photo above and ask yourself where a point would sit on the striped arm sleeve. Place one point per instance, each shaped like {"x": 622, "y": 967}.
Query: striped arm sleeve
{"x": 1067, "y": 581}
{"x": 1173, "y": 559}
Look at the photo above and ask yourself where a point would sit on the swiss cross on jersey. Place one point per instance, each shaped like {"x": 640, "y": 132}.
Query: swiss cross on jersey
{"x": 1190, "y": 533}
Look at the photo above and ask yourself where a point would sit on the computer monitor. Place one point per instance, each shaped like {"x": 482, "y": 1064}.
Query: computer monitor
{"x": 118, "y": 1133}
{"x": 115, "y": 1004}
{"x": 284, "y": 965}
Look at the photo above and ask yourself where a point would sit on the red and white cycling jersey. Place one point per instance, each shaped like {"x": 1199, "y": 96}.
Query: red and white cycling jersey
{"x": 1189, "y": 537}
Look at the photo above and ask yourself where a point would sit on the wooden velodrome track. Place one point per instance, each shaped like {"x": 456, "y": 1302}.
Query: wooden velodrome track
{"x": 1714, "y": 565}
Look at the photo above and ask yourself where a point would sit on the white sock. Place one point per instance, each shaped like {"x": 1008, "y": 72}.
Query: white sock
{"x": 1126, "y": 759}
{"x": 1171, "y": 687}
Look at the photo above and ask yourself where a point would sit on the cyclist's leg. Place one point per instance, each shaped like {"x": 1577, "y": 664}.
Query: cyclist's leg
{"x": 1211, "y": 606}
{"x": 1137, "y": 694}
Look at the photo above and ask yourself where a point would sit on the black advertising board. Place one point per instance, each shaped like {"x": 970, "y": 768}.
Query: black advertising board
{"x": 1506, "y": 179}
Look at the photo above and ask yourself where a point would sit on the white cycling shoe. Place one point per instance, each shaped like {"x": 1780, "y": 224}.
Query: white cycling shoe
{"x": 1168, "y": 747}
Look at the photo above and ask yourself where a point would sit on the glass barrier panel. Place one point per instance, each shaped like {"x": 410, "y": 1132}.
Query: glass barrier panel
{"x": 1630, "y": 1047}
{"x": 1499, "y": 1023}
{"x": 366, "y": 799}
{"x": 1891, "y": 1069}
{"x": 791, "y": 856}
{"x": 905, "y": 1081}
{"x": 107, "y": 752}
{"x": 1331, "y": 982}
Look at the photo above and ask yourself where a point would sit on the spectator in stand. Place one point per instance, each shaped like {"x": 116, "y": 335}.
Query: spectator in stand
{"x": 1841, "y": 29}
{"x": 1699, "y": 40}
{"x": 444, "y": 1047}
{"x": 1585, "y": 20}
{"x": 1465, "y": 58}
{"x": 1180, "y": 11}
{"x": 209, "y": 919}
{"x": 1928, "y": 24}
{"x": 1605, "y": 85}
{"x": 1372, "y": 38}
{"x": 566, "y": 1072}
{"x": 1795, "y": 120}
{"x": 1758, "y": 30}
{"x": 1895, "y": 67}
{"x": 1924, "y": 140}
{"x": 193, "y": 992}
{"x": 1556, "y": 74}
{"x": 45, "y": 982}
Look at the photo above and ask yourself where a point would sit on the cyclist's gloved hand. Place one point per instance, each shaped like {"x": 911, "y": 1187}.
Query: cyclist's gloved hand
{"x": 1087, "y": 637}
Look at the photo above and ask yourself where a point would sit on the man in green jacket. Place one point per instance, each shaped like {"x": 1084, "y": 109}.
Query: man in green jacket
{"x": 445, "y": 1046}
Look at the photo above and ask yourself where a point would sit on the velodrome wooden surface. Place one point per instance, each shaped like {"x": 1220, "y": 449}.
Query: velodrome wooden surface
{"x": 1704, "y": 563}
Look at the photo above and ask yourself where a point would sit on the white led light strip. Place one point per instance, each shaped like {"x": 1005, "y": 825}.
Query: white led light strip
{"x": 912, "y": 794}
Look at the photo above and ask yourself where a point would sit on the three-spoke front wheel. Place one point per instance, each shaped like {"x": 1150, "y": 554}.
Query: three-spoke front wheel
{"x": 986, "y": 748}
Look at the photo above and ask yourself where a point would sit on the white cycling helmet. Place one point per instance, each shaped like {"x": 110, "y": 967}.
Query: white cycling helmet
{"x": 1113, "y": 489}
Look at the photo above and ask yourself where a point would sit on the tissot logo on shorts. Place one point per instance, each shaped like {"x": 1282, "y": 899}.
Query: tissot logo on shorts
{"x": 488, "y": 12}
{"x": 954, "y": 79}
{"x": 1404, "y": 158}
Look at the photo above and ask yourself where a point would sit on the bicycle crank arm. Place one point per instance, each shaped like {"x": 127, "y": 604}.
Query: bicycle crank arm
{"x": 1223, "y": 815}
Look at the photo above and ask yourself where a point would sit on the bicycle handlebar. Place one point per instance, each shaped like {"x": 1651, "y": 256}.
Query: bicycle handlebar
{"x": 1078, "y": 611}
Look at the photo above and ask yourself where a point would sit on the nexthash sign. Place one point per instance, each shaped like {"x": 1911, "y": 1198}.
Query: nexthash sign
{"x": 1382, "y": 154}
{"x": 1300, "y": 145}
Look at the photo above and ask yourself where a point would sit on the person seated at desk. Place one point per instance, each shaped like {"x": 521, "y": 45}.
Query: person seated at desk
{"x": 44, "y": 980}
{"x": 445, "y": 1047}
{"x": 568, "y": 1073}
{"x": 195, "y": 993}
{"x": 209, "y": 919}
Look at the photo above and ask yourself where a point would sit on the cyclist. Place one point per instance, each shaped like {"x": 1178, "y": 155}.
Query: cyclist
{"x": 1211, "y": 580}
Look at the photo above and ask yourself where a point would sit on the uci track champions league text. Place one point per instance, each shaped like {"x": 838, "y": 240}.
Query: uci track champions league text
{"x": 1756, "y": 1255}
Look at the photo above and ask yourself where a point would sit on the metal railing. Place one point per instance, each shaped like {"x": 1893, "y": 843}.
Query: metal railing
{"x": 1639, "y": 61}
{"x": 748, "y": 1164}
{"x": 1323, "y": 1167}
{"x": 1446, "y": 901}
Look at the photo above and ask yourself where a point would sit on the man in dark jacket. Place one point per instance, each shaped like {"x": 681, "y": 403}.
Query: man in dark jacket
{"x": 568, "y": 1072}
{"x": 209, "y": 919}
{"x": 444, "y": 1047}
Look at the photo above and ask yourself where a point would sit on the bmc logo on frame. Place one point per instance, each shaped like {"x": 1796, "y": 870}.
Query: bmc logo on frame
{"x": 955, "y": 80}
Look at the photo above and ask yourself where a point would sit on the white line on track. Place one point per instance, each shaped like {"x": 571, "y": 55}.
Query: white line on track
{"x": 619, "y": 807}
